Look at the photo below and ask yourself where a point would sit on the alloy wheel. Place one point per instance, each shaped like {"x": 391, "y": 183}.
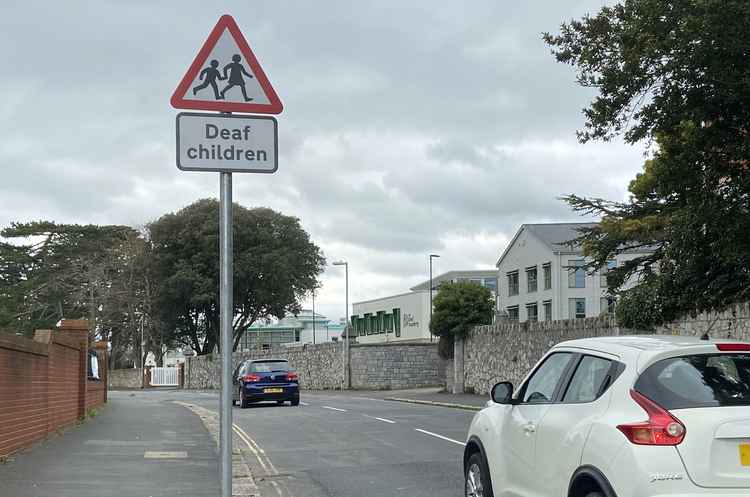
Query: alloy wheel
{"x": 474, "y": 486}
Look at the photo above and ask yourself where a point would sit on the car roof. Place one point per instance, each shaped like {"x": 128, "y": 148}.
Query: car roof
{"x": 268, "y": 359}
{"x": 644, "y": 342}
{"x": 643, "y": 350}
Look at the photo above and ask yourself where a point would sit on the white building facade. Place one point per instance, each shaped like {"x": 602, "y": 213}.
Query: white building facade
{"x": 542, "y": 277}
{"x": 406, "y": 317}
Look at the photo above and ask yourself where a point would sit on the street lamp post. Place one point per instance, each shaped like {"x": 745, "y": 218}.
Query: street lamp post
{"x": 313, "y": 297}
{"x": 345, "y": 344}
{"x": 431, "y": 257}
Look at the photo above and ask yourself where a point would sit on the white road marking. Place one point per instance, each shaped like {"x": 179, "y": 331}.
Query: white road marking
{"x": 304, "y": 403}
{"x": 333, "y": 408}
{"x": 153, "y": 454}
{"x": 440, "y": 436}
{"x": 380, "y": 419}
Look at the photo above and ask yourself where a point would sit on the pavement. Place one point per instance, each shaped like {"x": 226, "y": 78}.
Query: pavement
{"x": 437, "y": 397}
{"x": 136, "y": 446}
{"x": 334, "y": 444}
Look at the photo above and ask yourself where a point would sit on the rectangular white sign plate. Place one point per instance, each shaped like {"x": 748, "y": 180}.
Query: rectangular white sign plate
{"x": 227, "y": 143}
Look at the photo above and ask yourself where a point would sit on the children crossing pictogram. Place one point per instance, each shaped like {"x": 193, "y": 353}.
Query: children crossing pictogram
{"x": 226, "y": 60}
{"x": 209, "y": 76}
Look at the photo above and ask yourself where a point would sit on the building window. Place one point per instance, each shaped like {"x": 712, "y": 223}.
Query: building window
{"x": 397, "y": 321}
{"x": 576, "y": 274}
{"x": 547, "y": 270}
{"x": 512, "y": 313}
{"x": 577, "y": 308}
{"x": 547, "y": 304}
{"x": 608, "y": 304}
{"x": 381, "y": 322}
{"x": 512, "y": 283}
{"x": 532, "y": 312}
{"x": 368, "y": 324}
{"x": 491, "y": 283}
{"x": 603, "y": 274}
{"x": 361, "y": 326}
{"x": 531, "y": 279}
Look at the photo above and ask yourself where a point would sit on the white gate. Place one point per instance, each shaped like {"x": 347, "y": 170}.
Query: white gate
{"x": 164, "y": 377}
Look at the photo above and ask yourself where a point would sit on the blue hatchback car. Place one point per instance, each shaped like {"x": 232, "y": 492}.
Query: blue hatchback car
{"x": 258, "y": 380}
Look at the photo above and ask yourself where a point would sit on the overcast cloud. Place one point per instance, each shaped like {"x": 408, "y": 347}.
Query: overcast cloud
{"x": 437, "y": 127}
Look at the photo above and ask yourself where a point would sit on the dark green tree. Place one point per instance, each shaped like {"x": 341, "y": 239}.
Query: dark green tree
{"x": 673, "y": 74}
{"x": 459, "y": 307}
{"x": 275, "y": 266}
{"x": 53, "y": 271}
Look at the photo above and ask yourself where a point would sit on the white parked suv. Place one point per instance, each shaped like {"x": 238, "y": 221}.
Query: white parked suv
{"x": 627, "y": 416}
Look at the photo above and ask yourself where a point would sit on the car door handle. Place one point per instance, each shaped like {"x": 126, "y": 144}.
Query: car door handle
{"x": 529, "y": 428}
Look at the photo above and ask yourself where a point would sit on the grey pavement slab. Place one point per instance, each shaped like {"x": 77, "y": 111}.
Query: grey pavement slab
{"x": 106, "y": 455}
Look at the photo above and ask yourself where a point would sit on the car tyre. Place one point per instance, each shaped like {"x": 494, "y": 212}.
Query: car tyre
{"x": 295, "y": 402}
{"x": 477, "y": 477}
{"x": 280, "y": 402}
{"x": 244, "y": 403}
{"x": 595, "y": 494}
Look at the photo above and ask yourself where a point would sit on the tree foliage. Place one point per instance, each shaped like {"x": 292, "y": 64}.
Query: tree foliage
{"x": 459, "y": 307}
{"x": 275, "y": 266}
{"x": 673, "y": 74}
{"x": 52, "y": 271}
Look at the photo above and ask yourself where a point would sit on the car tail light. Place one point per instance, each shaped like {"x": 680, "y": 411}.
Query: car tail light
{"x": 733, "y": 347}
{"x": 251, "y": 378}
{"x": 661, "y": 428}
{"x": 292, "y": 377}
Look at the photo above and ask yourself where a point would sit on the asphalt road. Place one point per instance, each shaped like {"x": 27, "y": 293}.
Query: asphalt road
{"x": 349, "y": 445}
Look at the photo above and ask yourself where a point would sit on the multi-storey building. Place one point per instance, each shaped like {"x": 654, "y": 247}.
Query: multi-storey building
{"x": 542, "y": 277}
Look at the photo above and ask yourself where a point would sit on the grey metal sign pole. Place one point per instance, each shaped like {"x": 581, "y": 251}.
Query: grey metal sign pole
{"x": 226, "y": 143}
{"x": 225, "y": 317}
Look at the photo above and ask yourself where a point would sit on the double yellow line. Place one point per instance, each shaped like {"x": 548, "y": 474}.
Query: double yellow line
{"x": 262, "y": 458}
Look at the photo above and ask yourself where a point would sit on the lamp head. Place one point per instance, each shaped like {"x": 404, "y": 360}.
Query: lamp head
{"x": 339, "y": 263}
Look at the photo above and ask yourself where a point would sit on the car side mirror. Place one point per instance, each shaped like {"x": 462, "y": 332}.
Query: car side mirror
{"x": 502, "y": 393}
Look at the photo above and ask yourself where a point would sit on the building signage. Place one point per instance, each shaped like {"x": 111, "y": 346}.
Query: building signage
{"x": 409, "y": 321}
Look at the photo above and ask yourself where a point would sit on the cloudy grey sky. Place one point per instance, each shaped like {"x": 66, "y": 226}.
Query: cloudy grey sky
{"x": 409, "y": 127}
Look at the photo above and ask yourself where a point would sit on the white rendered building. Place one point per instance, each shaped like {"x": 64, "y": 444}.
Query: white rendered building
{"x": 541, "y": 277}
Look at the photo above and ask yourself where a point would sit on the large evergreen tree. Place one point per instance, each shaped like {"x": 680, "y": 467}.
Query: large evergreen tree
{"x": 675, "y": 75}
{"x": 275, "y": 266}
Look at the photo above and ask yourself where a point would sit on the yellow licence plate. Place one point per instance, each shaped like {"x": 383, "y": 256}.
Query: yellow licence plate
{"x": 278, "y": 390}
{"x": 745, "y": 454}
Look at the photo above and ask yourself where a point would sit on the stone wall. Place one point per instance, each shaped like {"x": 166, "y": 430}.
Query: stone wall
{"x": 126, "y": 378}
{"x": 395, "y": 366}
{"x": 731, "y": 323}
{"x": 375, "y": 367}
{"x": 508, "y": 350}
{"x": 319, "y": 366}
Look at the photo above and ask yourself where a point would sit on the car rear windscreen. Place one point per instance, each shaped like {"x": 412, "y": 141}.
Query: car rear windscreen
{"x": 706, "y": 380}
{"x": 269, "y": 366}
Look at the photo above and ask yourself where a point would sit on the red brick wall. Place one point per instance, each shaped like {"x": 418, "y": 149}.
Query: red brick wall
{"x": 43, "y": 383}
{"x": 63, "y": 377}
{"x": 23, "y": 388}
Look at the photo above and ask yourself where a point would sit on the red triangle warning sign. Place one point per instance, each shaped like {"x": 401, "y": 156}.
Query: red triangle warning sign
{"x": 225, "y": 76}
